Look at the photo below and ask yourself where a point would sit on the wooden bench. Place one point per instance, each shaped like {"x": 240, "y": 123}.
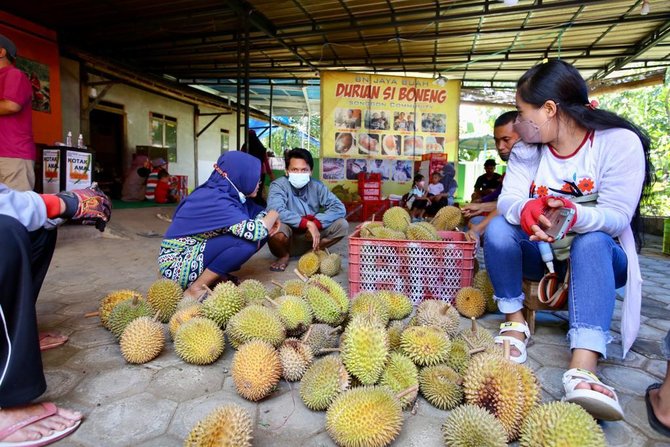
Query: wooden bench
{"x": 532, "y": 304}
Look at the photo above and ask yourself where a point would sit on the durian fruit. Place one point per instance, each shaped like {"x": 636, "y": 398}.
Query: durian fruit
{"x": 331, "y": 265}
{"x": 142, "y": 340}
{"x": 372, "y": 304}
{"x": 400, "y": 306}
{"x": 477, "y": 338}
{"x": 386, "y": 233}
{"x": 368, "y": 416}
{"x": 253, "y": 291}
{"x": 561, "y": 424}
{"x": 441, "y": 386}
{"x": 225, "y": 301}
{"x": 364, "y": 349}
{"x": 295, "y": 357}
{"x": 321, "y": 336}
{"x": 276, "y": 292}
{"x": 367, "y": 226}
{"x": 447, "y": 218}
{"x": 482, "y": 282}
{"x": 472, "y": 426}
{"x": 295, "y": 314}
{"x": 127, "y": 311}
{"x": 530, "y": 389}
{"x": 417, "y": 232}
{"x": 459, "y": 356}
{"x": 183, "y": 315}
{"x": 294, "y": 287}
{"x": 308, "y": 264}
{"x": 425, "y": 345}
{"x": 255, "y": 322}
{"x": 323, "y": 381}
{"x": 256, "y": 370}
{"x": 199, "y": 341}
{"x": 163, "y": 295}
{"x": 493, "y": 383}
{"x": 396, "y": 218}
{"x": 439, "y": 314}
{"x": 226, "y": 426}
{"x": 394, "y": 333}
{"x": 187, "y": 301}
{"x": 321, "y": 254}
{"x": 470, "y": 302}
{"x": 328, "y": 300}
{"x": 400, "y": 373}
{"x": 110, "y": 301}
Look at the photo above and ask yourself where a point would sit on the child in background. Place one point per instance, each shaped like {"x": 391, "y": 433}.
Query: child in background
{"x": 417, "y": 199}
{"x": 438, "y": 198}
{"x": 163, "y": 192}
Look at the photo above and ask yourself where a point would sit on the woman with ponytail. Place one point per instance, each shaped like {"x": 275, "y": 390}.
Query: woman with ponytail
{"x": 576, "y": 156}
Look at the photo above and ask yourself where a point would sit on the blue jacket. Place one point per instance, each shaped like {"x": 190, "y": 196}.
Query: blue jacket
{"x": 27, "y": 207}
{"x": 314, "y": 199}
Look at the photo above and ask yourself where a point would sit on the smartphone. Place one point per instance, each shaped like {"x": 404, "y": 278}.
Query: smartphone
{"x": 560, "y": 219}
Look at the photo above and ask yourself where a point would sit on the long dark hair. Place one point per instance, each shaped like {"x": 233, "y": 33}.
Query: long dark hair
{"x": 560, "y": 82}
{"x": 253, "y": 146}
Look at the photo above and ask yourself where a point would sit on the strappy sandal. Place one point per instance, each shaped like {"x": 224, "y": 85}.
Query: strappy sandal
{"x": 599, "y": 405}
{"x": 518, "y": 344}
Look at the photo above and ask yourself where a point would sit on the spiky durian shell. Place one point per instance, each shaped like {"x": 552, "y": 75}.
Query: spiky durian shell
{"x": 396, "y": 218}
{"x": 418, "y": 232}
{"x": 386, "y": 233}
{"x": 439, "y": 314}
{"x": 372, "y": 304}
{"x": 400, "y": 306}
{"x": 294, "y": 287}
{"x": 199, "y": 341}
{"x": 364, "y": 349}
{"x": 482, "y": 282}
{"x": 425, "y": 345}
{"x": 400, "y": 373}
{"x": 226, "y": 426}
{"x": 328, "y": 300}
{"x": 308, "y": 264}
{"x": 459, "y": 356}
{"x": 394, "y": 332}
{"x": 323, "y": 381}
{"x": 321, "y": 336}
{"x": 163, "y": 295}
{"x": 295, "y": 314}
{"x": 561, "y": 424}
{"x": 125, "y": 312}
{"x": 256, "y": 370}
{"x": 225, "y": 301}
{"x": 470, "y": 302}
{"x": 109, "y": 302}
{"x": 295, "y": 357}
{"x": 367, "y": 227}
{"x": 183, "y": 315}
{"x": 366, "y": 416}
{"x": 255, "y": 322}
{"x": 481, "y": 338}
{"x": 253, "y": 291}
{"x": 441, "y": 386}
{"x": 447, "y": 218}
{"x": 472, "y": 426}
{"x": 330, "y": 265}
{"x": 142, "y": 340}
{"x": 530, "y": 388}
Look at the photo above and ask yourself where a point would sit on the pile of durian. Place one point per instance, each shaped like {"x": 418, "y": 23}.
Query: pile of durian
{"x": 344, "y": 194}
{"x": 320, "y": 261}
{"x": 362, "y": 361}
{"x": 397, "y": 224}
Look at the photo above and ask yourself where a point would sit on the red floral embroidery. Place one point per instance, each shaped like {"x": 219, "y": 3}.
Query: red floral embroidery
{"x": 566, "y": 188}
{"x": 542, "y": 191}
{"x": 586, "y": 185}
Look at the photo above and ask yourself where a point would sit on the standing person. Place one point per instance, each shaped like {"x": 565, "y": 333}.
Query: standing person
{"x": 595, "y": 163}
{"x": 17, "y": 148}
{"x": 215, "y": 229}
{"x": 135, "y": 182}
{"x": 27, "y": 247}
{"x": 253, "y": 146}
{"x": 157, "y": 165}
{"x": 487, "y": 182}
{"x": 312, "y": 216}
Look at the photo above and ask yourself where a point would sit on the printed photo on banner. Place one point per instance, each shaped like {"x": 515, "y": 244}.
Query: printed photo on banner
{"x": 383, "y": 167}
{"x": 404, "y": 121}
{"x": 433, "y": 144}
{"x": 355, "y": 166}
{"x": 413, "y": 146}
{"x": 402, "y": 170}
{"x": 38, "y": 73}
{"x": 333, "y": 169}
{"x": 377, "y": 120}
{"x": 347, "y": 118}
{"x": 344, "y": 141}
{"x": 433, "y": 122}
{"x": 391, "y": 145}
{"x": 368, "y": 144}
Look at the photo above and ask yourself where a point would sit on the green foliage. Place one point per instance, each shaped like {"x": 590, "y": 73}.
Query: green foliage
{"x": 284, "y": 139}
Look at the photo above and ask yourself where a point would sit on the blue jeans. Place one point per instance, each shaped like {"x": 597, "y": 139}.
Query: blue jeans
{"x": 598, "y": 267}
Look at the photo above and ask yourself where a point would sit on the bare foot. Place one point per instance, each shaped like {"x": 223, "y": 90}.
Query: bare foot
{"x": 63, "y": 419}
{"x": 594, "y": 387}
{"x": 658, "y": 406}
{"x": 280, "y": 264}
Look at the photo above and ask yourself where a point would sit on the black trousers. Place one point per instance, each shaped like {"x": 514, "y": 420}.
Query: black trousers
{"x": 24, "y": 261}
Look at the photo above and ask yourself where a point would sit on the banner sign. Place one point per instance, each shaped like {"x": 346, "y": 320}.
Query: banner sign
{"x": 78, "y": 170}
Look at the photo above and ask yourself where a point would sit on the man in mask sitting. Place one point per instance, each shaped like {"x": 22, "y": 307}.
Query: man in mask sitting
{"x": 311, "y": 216}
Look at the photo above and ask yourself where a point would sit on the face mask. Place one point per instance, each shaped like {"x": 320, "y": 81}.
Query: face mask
{"x": 529, "y": 131}
{"x": 298, "y": 180}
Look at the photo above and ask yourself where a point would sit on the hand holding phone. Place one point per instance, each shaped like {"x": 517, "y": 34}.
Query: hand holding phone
{"x": 560, "y": 220}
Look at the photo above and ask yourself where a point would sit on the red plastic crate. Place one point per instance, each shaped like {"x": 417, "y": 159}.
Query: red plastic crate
{"x": 419, "y": 269}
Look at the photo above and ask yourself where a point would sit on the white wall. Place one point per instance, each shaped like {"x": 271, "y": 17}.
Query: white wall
{"x": 209, "y": 143}
{"x": 70, "y": 92}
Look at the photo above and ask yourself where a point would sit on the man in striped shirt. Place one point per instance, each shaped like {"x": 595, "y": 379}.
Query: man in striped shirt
{"x": 158, "y": 164}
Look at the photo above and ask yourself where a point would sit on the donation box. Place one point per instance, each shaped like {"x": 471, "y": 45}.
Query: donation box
{"x": 66, "y": 168}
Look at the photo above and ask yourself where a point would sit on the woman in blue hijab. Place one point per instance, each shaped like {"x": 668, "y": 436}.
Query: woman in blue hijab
{"x": 216, "y": 229}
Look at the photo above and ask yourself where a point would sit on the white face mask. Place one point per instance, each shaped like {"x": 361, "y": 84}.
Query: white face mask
{"x": 298, "y": 180}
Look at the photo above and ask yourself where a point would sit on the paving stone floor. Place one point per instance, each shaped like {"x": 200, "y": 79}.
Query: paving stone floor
{"x": 156, "y": 404}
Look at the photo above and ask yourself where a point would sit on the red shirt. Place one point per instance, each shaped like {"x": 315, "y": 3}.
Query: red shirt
{"x": 16, "y": 130}
{"x": 161, "y": 193}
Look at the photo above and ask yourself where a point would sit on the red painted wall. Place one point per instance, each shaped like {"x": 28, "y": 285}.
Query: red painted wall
{"x": 39, "y": 44}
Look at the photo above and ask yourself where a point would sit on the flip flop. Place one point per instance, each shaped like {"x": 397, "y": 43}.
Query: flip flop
{"x": 599, "y": 405}
{"x": 278, "y": 267}
{"x": 653, "y": 420}
{"x": 57, "y": 340}
{"x": 49, "y": 410}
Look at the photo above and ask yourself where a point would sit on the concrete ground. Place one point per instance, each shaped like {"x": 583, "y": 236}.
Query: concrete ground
{"x": 157, "y": 404}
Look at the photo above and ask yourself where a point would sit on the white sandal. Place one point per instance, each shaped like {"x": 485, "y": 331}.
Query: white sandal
{"x": 518, "y": 344}
{"x": 599, "y": 405}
